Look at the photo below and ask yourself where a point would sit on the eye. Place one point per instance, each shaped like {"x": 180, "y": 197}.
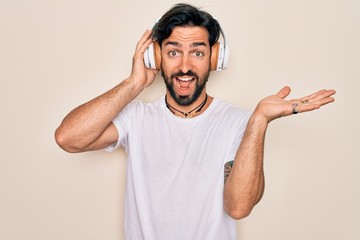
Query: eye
{"x": 173, "y": 53}
{"x": 198, "y": 54}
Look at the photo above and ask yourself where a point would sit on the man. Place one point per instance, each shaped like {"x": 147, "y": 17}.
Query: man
{"x": 178, "y": 146}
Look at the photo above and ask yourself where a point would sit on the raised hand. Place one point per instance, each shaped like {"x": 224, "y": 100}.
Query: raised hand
{"x": 276, "y": 106}
{"x": 139, "y": 72}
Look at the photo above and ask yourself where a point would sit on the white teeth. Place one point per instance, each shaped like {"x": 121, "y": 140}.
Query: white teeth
{"x": 185, "y": 79}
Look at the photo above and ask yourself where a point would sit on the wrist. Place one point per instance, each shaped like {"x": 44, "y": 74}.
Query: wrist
{"x": 259, "y": 120}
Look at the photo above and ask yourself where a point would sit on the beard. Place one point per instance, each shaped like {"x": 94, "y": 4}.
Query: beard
{"x": 200, "y": 83}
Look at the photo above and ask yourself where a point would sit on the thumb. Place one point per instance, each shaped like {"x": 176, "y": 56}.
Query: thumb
{"x": 284, "y": 92}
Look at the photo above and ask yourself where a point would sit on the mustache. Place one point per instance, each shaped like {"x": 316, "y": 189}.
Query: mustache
{"x": 181, "y": 73}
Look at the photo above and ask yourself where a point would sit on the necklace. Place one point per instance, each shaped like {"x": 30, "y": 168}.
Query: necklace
{"x": 187, "y": 114}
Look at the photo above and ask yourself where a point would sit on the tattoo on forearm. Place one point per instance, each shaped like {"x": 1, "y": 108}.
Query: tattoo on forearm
{"x": 227, "y": 169}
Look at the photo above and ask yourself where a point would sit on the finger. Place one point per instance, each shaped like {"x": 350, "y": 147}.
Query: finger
{"x": 325, "y": 94}
{"x": 311, "y": 106}
{"x": 315, "y": 97}
{"x": 325, "y": 101}
{"x": 284, "y": 92}
{"x": 312, "y": 96}
{"x": 323, "y": 97}
{"x": 145, "y": 38}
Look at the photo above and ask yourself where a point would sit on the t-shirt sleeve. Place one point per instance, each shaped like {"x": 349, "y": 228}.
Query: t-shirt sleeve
{"x": 122, "y": 122}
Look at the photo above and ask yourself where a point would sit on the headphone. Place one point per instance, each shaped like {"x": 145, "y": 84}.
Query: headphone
{"x": 218, "y": 62}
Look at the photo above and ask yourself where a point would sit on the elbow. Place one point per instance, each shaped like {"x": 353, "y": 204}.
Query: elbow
{"x": 239, "y": 213}
{"x": 238, "y": 208}
{"x": 64, "y": 142}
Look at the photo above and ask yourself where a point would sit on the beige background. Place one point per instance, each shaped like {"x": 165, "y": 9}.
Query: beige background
{"x": 55, "y": 55}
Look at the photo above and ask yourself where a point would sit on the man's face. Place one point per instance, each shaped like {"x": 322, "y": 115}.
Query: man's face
{"x": 185, "y": 63}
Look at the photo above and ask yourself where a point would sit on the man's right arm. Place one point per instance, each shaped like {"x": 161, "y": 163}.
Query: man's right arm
{"x": 89, "y": 126}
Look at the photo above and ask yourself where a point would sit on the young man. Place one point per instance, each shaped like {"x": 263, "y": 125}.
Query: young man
{"x": 178, "y": 146}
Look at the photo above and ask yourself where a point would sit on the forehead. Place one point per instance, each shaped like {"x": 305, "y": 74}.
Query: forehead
{"x": 188, "y": 35}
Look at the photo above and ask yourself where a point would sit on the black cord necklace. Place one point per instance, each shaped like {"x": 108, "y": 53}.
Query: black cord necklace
{"x": 187, "y": 114}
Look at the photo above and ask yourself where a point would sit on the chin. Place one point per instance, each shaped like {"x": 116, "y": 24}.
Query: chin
{"x": 197, "y": 84}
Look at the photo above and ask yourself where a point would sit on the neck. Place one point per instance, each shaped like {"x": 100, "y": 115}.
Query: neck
{"x": 189, "y": 111}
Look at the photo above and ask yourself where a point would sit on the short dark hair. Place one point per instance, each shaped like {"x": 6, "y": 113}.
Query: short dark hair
{"x": 186, "y": 15}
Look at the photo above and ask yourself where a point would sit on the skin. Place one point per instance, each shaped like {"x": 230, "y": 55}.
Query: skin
{"x": 187, "y": 48}
{"x": 244, "y": 186}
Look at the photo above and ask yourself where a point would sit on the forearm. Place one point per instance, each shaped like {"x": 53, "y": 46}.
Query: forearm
{"x": 244, "y": 186}
{"x": 86, "y": 123}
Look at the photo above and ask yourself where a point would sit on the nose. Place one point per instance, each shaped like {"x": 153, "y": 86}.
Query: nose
{"x": 185, "y": 64}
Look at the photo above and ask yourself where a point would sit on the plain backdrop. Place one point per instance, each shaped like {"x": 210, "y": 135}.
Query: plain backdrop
{"x": 58, "y": 54}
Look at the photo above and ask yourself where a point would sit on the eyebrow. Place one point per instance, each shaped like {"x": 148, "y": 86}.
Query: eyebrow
{"x": 195, "y": 44}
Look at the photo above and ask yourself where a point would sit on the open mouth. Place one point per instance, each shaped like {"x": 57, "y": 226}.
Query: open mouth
{"x": 184, "y": 83}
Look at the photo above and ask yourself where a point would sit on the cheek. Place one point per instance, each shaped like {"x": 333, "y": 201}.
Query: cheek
{"x": 168, "y": 66}
{"x": 166, "y": 70}
{"x": 206, "y": 65}
{"x": 203, "y": 67}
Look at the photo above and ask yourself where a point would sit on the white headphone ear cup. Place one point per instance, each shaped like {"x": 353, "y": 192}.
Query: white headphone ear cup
{"x": 223, "y": 57}
{"x": 157, "y": 55}
{"x": 214, "y": 56}
{"x": 220, "y": 59}
{"x": 146, "y": 58}
{"x": 152, "y": 56}
{"x": 220, "y": 55}
{"x": 226, "y": 57}
{"x": 149, "y": 59}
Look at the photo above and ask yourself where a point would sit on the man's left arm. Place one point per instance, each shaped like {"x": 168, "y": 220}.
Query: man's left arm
{"x": 244, "y": 185}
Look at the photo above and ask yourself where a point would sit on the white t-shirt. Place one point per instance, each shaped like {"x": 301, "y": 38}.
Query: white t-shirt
{"x": 175, "y": 170}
